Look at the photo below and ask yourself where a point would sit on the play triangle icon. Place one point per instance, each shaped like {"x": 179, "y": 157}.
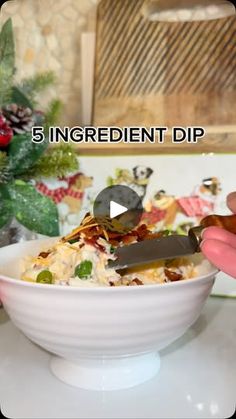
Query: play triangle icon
{"x": 116, "y": 209}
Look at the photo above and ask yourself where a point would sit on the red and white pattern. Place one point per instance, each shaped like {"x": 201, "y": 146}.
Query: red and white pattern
{"x": 58, "y": 194}
{"x": 195, "y": 207}
{"x": 153, "y": 216}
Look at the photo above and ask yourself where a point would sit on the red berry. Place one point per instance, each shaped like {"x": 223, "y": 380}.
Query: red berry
{"x": 6, "y": 132}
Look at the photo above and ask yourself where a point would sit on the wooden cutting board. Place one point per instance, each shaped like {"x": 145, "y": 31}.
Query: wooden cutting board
{"x": 163, "y": 74}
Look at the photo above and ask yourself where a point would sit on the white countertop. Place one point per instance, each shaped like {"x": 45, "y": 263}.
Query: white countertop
{"x": 197, "y": 377}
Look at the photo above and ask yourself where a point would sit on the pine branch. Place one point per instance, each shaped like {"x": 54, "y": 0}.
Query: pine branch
{"x": 30, "y": 87}
{"x": 53, "y": 113}
{"x": 3, "y": 160}
{"x": 6, "y": 78}
{"x": 7, "y": 45}
{"x": 7, "y": 62}
{"x": 5, "y": 175}
{"x": 56, "y": 162}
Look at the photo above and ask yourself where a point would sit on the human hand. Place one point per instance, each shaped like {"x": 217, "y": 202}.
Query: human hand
{"x": 219, "y": 246}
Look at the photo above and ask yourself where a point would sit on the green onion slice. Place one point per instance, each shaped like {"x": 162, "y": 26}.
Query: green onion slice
{"x": 44, "y": 277}
{"x": 84, "y": 269}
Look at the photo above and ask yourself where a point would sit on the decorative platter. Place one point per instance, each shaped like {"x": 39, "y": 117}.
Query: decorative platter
{"x": 176, "y": 190}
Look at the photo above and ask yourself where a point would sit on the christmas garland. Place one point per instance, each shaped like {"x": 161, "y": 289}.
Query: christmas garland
{"x": 22, "y": 161}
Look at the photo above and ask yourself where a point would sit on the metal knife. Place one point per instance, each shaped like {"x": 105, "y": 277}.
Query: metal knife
{"x": 148, "y": 251}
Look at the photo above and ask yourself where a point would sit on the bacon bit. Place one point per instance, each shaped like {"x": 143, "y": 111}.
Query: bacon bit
{"x": 114, "y": 235}
{"x": 172, "y": 276}
{"x": 84, "y": 225}
{"x": 44, "y": 255}
{"x": 129, "y": 238}
{"x": 91, "y": 231}
{"x": 93, "y": 242}
{"x": 142, "y": 231}
{"x": 114, "y": 243}
{"x": 136, "y": 281}
{"x": 151, "y": 236}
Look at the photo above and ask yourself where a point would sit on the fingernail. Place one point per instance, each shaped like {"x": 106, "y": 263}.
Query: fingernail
{"x": 202, "y": 233}
{"x": 201, "y": 244}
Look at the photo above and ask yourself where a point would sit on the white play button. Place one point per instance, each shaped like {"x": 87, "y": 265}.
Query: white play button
{"x": 116, "y": 209}
{"x": 119, "y": 204}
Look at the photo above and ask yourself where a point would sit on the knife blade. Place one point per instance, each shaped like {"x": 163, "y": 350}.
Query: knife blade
{"x": 170, "y": 247}
{"x": 149, "y": 251}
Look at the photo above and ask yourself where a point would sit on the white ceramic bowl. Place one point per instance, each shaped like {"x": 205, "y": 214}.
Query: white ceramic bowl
{"x": 101, "y": 338}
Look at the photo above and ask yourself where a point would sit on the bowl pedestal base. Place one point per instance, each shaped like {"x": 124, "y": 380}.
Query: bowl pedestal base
{"x": 108, "y": 373}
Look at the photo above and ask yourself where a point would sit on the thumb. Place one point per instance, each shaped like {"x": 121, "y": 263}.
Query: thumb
{"x": 220, "y": 254}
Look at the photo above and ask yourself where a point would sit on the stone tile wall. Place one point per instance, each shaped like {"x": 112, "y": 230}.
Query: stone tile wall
{"x": 47, "y": 34}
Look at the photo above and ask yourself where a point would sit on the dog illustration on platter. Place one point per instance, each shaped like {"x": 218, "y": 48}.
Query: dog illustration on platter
{"x": 69, "y": 194}
{"x": 169, "y": 210}
{"x": 136, "y": 178}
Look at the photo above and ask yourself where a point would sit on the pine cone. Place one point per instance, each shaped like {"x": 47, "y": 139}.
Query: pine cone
{"x": 20, "y": 119}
